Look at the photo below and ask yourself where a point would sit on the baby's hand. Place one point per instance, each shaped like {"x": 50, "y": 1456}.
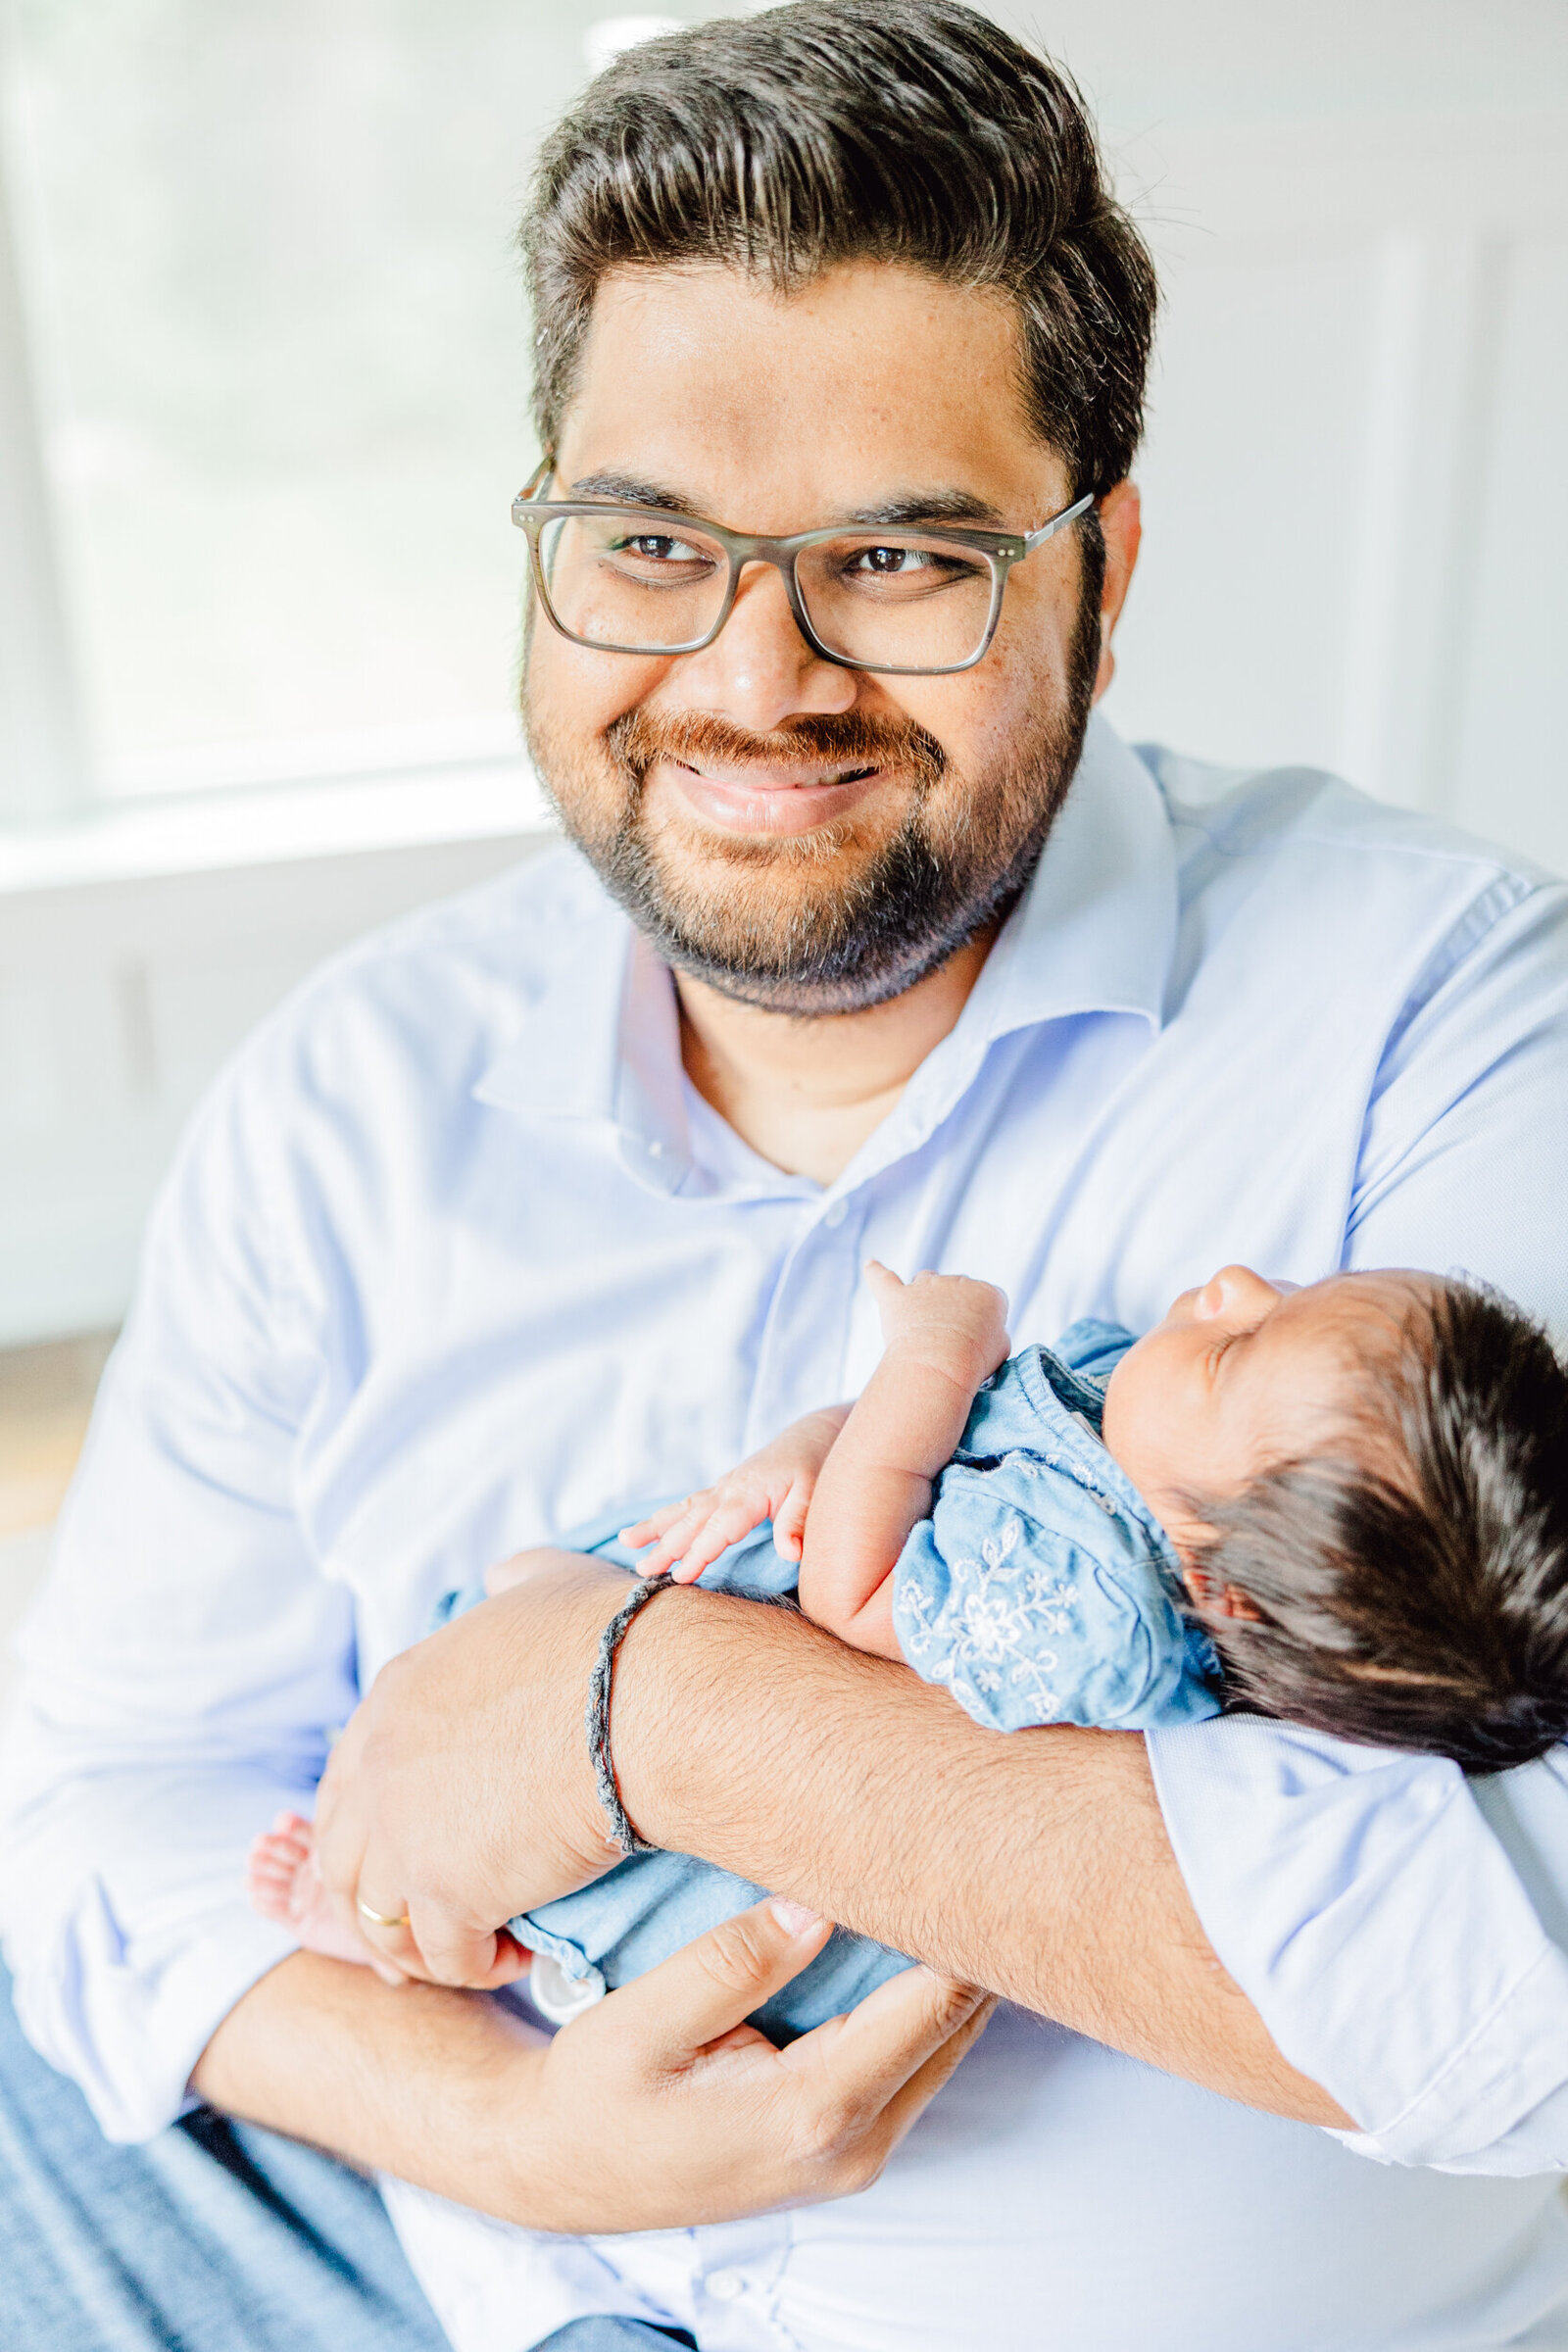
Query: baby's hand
{"x": 956, "y": 1323}
{"x": 775, "y": 1484}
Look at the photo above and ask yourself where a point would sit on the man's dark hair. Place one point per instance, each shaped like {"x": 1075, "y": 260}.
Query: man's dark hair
{"x": 839, "y": 130}
{"x": 1425, "y": 1608}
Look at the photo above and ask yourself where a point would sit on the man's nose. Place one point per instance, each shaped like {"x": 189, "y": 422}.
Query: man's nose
{"x": 760, "y": 671}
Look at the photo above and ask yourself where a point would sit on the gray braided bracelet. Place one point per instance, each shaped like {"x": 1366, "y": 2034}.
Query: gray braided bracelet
{"x": 596, "y": 1719}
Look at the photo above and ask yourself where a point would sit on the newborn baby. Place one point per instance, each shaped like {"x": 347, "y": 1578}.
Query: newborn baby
{"x": 1345, "y": 1505}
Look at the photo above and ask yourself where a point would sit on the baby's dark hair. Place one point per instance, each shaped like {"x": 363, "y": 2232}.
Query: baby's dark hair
{"x": 1425, "y": 1608}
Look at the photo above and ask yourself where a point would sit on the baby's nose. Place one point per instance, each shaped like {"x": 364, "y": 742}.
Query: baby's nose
{"x": 1236, "y": 1291}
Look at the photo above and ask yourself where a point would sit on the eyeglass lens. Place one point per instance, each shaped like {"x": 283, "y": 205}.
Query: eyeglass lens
{"x": 885, "y": 599}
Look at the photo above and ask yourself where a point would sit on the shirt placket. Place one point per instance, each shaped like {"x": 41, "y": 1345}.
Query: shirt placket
{"x": 801, "y": 1362}
{"x": 737, "y": 2271}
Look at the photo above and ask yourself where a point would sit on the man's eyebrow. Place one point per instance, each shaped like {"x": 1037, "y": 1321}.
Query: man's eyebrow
{"x": 930, "y": 506}
{"x": 630, "y": 493}
{"x": 893, "y": 513}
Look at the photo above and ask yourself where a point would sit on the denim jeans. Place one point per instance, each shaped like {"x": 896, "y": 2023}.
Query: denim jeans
{"x": 211, "y": 2236}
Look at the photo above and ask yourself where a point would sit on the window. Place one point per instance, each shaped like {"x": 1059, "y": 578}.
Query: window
{"x": 265, "y": 359}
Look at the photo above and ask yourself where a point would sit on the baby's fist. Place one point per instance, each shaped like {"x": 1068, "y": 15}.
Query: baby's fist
{"x": 964, "y": 1319}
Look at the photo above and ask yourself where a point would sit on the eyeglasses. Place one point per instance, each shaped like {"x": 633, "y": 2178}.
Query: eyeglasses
{"x": 625, "y": 579}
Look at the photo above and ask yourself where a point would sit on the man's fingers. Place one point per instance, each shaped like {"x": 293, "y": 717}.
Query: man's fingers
{"x": 711, "y": 1986}
{"x": 871, "y": 2055}
{"x": 906, "y": 2105}
{"x": 448, "y": 1952}
{"x": 340, "y": 1842}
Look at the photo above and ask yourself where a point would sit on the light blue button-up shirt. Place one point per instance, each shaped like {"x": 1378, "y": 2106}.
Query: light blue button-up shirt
{"x": 451, "y": 1261}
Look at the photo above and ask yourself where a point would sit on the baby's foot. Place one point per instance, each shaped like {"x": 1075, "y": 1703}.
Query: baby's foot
{"x": 285, "y": 1884}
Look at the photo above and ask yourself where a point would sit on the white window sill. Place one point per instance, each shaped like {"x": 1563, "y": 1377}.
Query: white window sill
{"x": 209, "y": 832}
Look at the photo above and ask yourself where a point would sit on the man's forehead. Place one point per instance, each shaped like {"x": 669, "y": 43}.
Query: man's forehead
{"x": 877, "y": 391}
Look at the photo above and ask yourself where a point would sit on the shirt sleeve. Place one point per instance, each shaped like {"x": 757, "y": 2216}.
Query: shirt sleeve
{"x": 186, "y": 1662}
{"x": 1403, "y": 1932}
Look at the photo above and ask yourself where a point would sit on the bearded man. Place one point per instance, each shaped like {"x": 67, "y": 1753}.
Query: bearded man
{"x": 551, "y": 1201}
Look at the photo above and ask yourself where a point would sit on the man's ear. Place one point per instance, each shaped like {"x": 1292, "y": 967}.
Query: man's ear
{"x": 1121, "y": 523}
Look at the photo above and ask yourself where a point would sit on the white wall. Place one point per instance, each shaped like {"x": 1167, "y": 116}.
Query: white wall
{"x": 1355, "y": 503}
{"x": 117, "y": 1001}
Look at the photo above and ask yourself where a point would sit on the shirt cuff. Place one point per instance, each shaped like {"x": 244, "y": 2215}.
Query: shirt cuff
{"x": 1362, "y": 1904}
{"x": 126, "y": 1929}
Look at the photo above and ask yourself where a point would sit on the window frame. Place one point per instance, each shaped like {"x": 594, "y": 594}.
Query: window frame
{"x": 45, "y": 769}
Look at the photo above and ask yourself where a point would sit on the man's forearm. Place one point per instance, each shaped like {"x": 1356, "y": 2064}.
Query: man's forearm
{"x": 420, "y": 2082}
{"x": 1034, "y": 1863}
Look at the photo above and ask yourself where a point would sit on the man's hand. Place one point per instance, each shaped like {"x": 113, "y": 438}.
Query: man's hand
{"x": 658, "y": 2108}
{"x": 462, "y": 1791}
{"x": 775, "y": 1482}
{"x": 661, "y": 2108}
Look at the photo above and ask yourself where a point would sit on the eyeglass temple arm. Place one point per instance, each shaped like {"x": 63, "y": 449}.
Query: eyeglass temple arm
{"x": 1057, "y": 523}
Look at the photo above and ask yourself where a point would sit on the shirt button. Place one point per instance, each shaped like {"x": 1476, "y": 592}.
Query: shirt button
{"x": 835, "y": 1215}
{"x": 655, "y": 1150}
{"x": 725, "y": 2285}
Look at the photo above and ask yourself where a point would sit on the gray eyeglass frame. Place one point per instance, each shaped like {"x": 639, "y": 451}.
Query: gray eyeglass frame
{"x": 1001, "y": 550}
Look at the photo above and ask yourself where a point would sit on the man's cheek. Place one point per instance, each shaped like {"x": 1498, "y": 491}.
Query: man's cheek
{"x": 571, "y": 692}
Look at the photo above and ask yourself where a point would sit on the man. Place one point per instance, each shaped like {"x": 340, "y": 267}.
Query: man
{"x": 553, "y": 1201}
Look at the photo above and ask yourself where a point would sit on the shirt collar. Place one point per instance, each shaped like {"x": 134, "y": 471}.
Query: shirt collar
{"x": 601, "y": 1042}
{"x": 1095, "y": 931}
{"x": 1094, "y": 934}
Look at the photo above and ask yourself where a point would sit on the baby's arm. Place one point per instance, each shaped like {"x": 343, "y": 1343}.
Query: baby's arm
{"x": 944, "y": 1335}
{"x": 777, "y": 1483}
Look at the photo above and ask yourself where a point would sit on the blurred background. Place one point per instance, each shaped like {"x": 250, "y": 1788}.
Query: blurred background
{"x": 262, "y": 409}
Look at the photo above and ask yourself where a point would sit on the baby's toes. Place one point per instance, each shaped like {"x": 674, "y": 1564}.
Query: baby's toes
{"x": 269, "y": 1893}
{"x": 276, "y": 1856}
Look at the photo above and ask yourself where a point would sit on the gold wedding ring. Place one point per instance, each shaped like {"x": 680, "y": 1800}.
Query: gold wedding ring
{"x": 378, "y": 1919}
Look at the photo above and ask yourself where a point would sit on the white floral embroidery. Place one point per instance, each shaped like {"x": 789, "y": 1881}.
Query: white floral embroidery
{"x": 998, "y": 1605}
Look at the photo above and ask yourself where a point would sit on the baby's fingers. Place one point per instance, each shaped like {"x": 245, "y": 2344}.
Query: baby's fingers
{"x": 732, "y": 1516}
{"x": 667, "y": 1517}
{"x": 674, "y": 1546}
{"x": 788, "y": 1520}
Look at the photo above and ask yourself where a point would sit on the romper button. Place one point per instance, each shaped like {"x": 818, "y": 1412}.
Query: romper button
{"x": 725, "y": 2285}
{"x": 555, "y": 1995}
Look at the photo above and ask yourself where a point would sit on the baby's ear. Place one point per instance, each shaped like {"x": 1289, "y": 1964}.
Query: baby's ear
{"x": 1225, "y": 1600}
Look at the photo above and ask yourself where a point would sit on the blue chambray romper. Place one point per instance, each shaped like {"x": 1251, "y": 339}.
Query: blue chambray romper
{"x": 1041, "y": 1589}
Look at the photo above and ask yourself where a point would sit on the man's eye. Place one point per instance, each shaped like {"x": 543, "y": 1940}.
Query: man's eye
{"x": 655, "y": 547}
{"x": 892, "y": 562}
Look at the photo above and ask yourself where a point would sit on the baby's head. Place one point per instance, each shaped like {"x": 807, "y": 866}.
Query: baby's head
{"x": 1368, "y": 1482}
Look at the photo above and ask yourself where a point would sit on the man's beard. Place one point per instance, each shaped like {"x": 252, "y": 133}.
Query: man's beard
{"x": 843, "y": 933}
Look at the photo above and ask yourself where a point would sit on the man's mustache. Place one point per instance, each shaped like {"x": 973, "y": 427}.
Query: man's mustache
{"x": 842, "y": 740}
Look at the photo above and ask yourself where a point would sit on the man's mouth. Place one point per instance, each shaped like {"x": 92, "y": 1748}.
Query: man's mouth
{"x": 761, "y": 798}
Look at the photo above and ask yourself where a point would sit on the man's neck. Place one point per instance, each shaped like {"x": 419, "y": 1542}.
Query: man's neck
{"x": 806, "y": 1092}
